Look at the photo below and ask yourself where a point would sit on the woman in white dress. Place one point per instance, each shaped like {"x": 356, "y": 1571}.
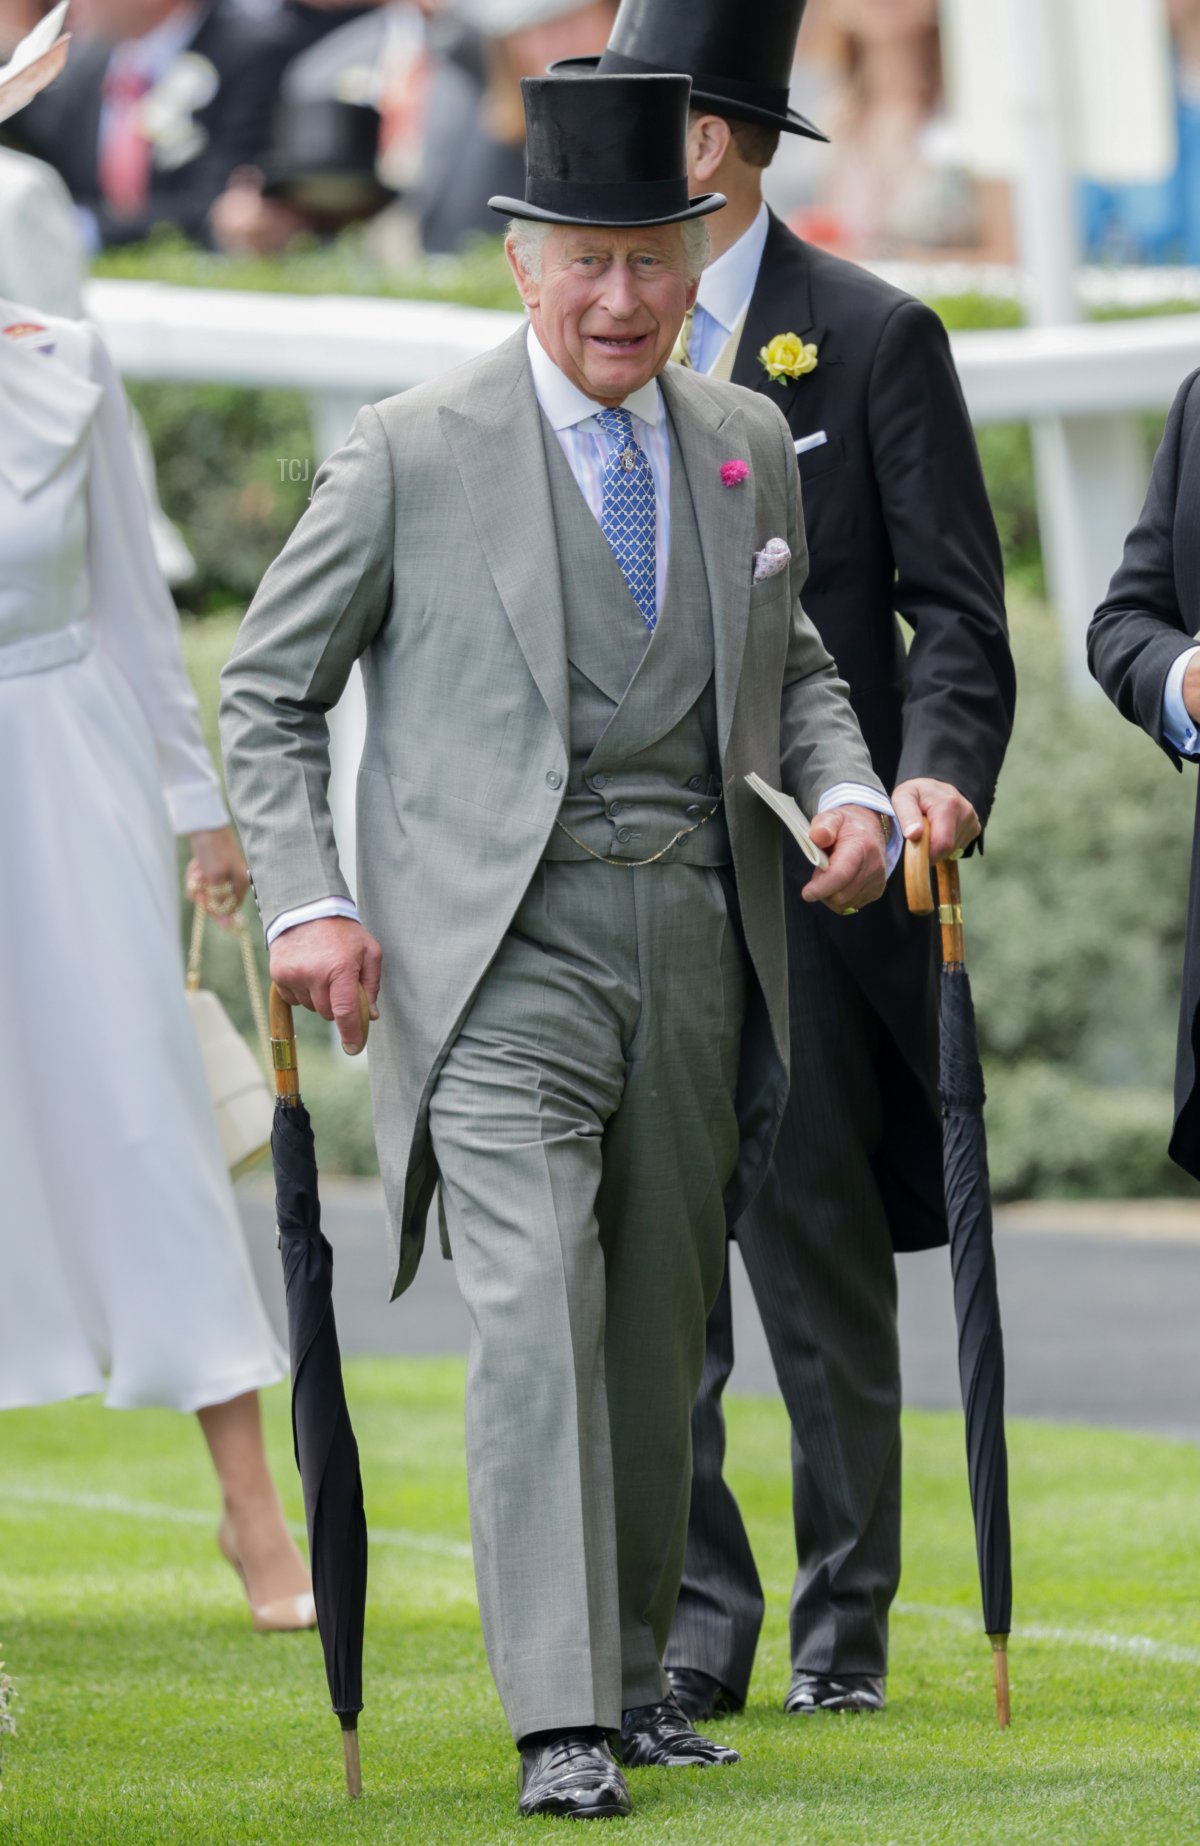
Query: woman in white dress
{"x": 122, "y": 1265}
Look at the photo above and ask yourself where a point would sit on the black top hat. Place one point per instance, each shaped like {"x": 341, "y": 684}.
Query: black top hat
{"x": 606, "y": 151}
{"x": 322, "y": 159}
{"x": 738, "y": 56}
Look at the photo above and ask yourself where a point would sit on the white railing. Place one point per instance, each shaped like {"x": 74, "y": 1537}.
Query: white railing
{"x": 364, "y": 348}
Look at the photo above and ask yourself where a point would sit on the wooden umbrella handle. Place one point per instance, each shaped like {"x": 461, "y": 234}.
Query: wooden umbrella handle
{"x": 283, "y": 1041}
{"x": 283, "y": 1048}
{"x": 919, "y": 892}
{"x": 950, "y": 914}
{"x": 917, "y": 888}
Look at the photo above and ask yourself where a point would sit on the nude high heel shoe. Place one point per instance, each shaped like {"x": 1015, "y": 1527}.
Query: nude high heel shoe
{"x": 286, "y": 1614}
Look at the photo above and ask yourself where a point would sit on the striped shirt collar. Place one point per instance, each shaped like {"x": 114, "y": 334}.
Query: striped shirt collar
{"x": 565, "y": 405}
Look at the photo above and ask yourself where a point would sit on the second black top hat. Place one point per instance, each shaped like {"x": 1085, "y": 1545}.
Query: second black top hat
{"x": 739, "y": 56}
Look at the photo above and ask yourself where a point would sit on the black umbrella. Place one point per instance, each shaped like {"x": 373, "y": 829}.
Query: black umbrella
{"x": 972, "y": 1258}
{"x": 326, "y": 1452}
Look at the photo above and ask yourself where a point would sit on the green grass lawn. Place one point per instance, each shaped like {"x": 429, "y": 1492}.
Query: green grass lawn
{"x": 149, "y": 1712}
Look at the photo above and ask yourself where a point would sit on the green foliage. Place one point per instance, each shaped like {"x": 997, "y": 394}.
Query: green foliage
{"x": 1006, "y": 451}
{"x": 1076, "y": 919}
{"x": 480, "y": 277}
{"x": 337, "y": 1092}
{"x": 223, "y": 459}
{"x": 153, "y": 1716}
{"x": 974, "y": 313}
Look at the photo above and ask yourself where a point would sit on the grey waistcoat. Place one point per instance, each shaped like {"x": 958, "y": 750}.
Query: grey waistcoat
{"x": 644, "y": 756}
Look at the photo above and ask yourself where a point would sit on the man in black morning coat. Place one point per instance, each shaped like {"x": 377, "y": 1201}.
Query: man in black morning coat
{"x": 898, "y": 522}
{"x": 1142, "y": 649}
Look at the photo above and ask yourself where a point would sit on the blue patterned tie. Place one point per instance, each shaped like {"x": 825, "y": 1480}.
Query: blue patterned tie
{"x": 627, "y": 517}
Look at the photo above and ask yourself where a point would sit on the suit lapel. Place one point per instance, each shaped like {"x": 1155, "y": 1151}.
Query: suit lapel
{"x": 782, "y": 302}
{"x": 708, "y": 436}
{"x": 497, "y": 448}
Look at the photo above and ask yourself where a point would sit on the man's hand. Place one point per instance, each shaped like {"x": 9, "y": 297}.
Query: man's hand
{"x": 857, "y": 871}
{"x": 953, "y": 822}
{"x": 320, "y": 965}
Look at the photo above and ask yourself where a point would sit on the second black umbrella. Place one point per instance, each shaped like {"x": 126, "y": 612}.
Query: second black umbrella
{"x": 972, "y": 1258}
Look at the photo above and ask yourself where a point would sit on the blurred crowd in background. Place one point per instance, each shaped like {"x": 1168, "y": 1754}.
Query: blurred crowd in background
{"x": 248, "y": 123}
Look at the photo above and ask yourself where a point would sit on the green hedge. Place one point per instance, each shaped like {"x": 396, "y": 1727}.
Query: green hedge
{"x": 1075, "y": 931}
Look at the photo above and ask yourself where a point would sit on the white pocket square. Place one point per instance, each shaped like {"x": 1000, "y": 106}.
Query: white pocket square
{"x": 775, "y": 556}
{"x": 817, "y": 440}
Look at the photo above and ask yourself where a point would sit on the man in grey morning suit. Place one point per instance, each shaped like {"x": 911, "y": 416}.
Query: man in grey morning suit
{"x": 572, "y": 657}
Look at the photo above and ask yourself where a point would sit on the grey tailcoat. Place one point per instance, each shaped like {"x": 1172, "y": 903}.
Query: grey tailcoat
{"x": 429, "y": 552}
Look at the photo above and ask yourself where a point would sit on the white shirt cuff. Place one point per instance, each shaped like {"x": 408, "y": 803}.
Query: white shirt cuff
{"x": 310, "y": 913}
{"x": 858, "y": 795}
{"x": 1178, "y": 726}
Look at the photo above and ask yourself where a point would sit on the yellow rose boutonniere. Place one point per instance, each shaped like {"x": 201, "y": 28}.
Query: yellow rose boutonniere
{"x": 787, "y": 357}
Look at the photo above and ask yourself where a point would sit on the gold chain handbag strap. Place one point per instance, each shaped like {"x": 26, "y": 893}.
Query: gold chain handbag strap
{"x": 254, "y": 991}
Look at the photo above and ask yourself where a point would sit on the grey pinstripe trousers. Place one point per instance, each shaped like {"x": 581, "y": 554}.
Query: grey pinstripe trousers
{"x": 819, "y": 1257}
{"x": 585, "y": 1131}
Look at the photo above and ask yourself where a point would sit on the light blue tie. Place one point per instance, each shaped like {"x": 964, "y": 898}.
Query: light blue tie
{"x": 627, "y": 517}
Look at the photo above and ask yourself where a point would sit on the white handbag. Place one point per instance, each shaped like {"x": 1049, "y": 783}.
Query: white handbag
{"x": 241, "y": 1099}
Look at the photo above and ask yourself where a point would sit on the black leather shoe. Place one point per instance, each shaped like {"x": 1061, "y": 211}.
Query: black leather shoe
{"x": 812, "y": 1692}
{"x": 572, "y": 1774}
{"x": 700, "y": 1696}
{"x": 662, "y": 1737}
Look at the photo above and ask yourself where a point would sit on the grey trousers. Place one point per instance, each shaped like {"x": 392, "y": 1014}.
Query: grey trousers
{"x": 819, "y": 1257}
{"x": 584, "y": 1129}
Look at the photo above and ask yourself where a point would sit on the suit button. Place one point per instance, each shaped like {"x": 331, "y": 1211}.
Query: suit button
{"x": 553, "y": 778}
{"x": 695, "y": 784}
{"x": 614, "y": 808}
{"x": 624, "y": 835}
{"x": 693, "y": 809}
{"x": 598, "y": 782}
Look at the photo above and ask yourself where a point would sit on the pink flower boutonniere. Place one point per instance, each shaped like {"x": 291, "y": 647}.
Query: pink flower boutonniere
{"x": 733, "y": 473}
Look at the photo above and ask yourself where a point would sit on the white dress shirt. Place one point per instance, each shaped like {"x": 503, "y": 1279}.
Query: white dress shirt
{"x": 572, "y": 416}
{"x": 725, "y": 290}
{"x": 1179, "y": 728}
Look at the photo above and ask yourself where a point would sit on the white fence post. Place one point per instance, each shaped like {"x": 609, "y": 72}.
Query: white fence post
{"x": 1091, "y": 481}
